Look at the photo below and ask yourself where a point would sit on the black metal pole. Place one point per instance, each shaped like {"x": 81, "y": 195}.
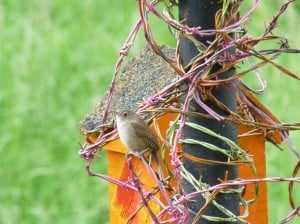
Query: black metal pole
{"x": 201, "y": 13}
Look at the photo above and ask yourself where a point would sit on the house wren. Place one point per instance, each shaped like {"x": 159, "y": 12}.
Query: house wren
{"x": 136, "y": 135}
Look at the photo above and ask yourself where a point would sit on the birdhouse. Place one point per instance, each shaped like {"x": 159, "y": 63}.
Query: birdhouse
{"x": 140, "y": 79}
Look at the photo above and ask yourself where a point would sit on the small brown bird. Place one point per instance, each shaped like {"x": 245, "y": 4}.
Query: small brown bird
{"x": 136, "y": 135}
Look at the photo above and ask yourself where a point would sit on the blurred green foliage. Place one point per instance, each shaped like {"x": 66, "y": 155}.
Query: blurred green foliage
{"x": 57, "y": 58}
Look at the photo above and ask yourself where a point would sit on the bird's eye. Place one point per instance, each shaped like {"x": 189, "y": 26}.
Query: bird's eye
{"x": 125, "y": 114}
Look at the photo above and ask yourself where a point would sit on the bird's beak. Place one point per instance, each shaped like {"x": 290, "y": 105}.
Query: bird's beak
{"x": 114, "y": 113}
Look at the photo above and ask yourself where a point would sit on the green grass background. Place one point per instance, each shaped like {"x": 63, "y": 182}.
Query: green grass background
{"x": 56, "y": 60}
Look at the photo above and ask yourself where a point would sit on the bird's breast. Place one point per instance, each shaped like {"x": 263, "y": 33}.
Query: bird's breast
{"x": 129, "y": 138}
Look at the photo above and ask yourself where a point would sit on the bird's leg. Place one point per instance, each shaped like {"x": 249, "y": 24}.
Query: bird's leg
{"x": 143, "y": 151}
{"x": 146, "y": 161}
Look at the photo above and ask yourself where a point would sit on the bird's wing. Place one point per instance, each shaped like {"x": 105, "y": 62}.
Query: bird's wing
{"x": 146, "y": 135}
